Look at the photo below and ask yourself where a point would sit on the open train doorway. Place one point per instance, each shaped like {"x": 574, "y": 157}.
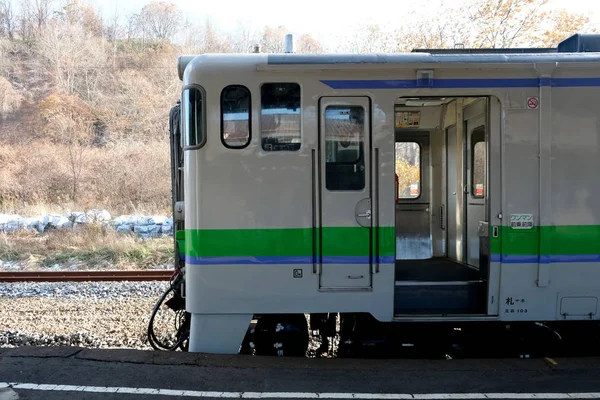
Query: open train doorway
{"x": 442, "y": 205}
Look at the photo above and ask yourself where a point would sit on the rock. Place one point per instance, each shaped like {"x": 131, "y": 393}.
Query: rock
{"x": 33, "y": 224}
{"x": 157, "y": 220}
{"x": 124, "y": 228}
{"x": 10, "y": 222}
{"x": 81, "y": 219}
{"x": 96, "y": 216}
{"x": 143, "y": 226}
{"x": 56, "y": 221}
{"x": 123, "y": 220}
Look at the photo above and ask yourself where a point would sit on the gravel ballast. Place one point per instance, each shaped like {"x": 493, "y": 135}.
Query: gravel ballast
{"x": 97, "y": 290}
{"x": 86, "y": 314}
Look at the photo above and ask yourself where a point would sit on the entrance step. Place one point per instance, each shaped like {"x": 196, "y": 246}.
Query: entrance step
{"x": 440, "y": 298}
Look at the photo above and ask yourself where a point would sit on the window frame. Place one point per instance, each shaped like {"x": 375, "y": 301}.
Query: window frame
{"x": 477, "y": 131}
{"x": 361, "y": 148}
{"x": 420, "y": 169}
{"x": 203, "y": 125}
{"x": 249, "y": 139}
{"x": 301, "y": 113}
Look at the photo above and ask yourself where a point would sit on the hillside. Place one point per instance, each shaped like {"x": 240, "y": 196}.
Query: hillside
{"x": 84, "y": 101}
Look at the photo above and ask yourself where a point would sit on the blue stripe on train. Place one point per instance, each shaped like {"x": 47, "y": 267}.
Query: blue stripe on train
{"x": 552, "y": 259}
{"x": 462, "y": 83}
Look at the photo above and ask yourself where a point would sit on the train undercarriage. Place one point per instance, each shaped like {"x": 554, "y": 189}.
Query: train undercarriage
{"x": 359, "y": 335}
{"x": 362, "y": 336}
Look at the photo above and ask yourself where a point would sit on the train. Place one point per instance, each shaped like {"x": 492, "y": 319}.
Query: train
{"x": 386, "y": 199}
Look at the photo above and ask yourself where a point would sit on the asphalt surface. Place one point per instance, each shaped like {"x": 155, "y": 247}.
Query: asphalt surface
{"x": 214, "y": 373}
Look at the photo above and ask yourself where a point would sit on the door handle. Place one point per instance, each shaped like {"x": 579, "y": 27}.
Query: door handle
{"x": 366, "y": 214}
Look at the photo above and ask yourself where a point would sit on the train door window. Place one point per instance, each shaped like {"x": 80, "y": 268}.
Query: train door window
{"x": 408, "y": 169}
{"x": 280, "y": 116}
{"x": 235, "y": 116}
{"x": 344, "y": 147}
{"x": 193, "y": 117}
{"x": 478, "y": 162}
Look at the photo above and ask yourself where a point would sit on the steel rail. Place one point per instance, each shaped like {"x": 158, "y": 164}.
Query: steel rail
{"x": 90, "y": 276}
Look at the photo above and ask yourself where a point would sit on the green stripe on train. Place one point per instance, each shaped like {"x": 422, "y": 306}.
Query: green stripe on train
{"x": 556, "y": 240}
{"x": 284, "y": 242}
{"x": 354, "y": 241}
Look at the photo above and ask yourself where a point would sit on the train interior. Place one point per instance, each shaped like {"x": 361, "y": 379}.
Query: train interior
{"x": 441, "y": 174}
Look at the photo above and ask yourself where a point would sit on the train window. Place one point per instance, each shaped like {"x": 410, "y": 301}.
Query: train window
{"x": 193, "y": 117}
{"x": 280, "y": 116}
{"x": 408, "y": 169}
{"x": 344, "y": 147}
{"x": 478, "y": 162}
{"x": 235, "y": 116}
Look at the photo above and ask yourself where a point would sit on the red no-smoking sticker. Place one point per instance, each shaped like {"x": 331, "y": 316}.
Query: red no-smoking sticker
{"x": 533, "y": 103}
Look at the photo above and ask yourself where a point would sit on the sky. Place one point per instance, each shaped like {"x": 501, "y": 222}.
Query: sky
{"x": 326, "y": 20}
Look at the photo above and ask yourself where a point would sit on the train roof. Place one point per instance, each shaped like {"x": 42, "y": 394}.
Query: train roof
{"x": 579, "y": 48}
{"x": 426, "y": 58}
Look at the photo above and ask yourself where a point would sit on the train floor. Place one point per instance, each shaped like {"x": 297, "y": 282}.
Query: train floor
{"x": 437, "y": 269}
{"x": 438, "y": 286}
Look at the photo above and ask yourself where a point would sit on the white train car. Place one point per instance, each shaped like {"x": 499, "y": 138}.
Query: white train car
{"x": 387, "y": 189}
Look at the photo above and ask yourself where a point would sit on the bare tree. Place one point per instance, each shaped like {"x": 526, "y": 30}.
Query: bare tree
{"x": 273, "y": 39}
{"x": 41, "y": 12}
{"x": 113, "y": 31}
{"x": 445, "y": 29}
{"x": 212, "y": 40}
{"x": 75, "y": 56}
{"x": 245, "y": 38}
{"x": 10, "y": 99}
{"x": 565, "y": 24}
{"x": 133, "y": 26}
{"x": 506, "y": 23}
{"x": 69, "y": 121}
{"x": 371, "y": 38}
{"x": 160, "y": 20}
{"x": 308, "y": 44}
{"x": 33, "y": 16}
{"x": 76, "y": 13}
{"x": 7, "y": 19}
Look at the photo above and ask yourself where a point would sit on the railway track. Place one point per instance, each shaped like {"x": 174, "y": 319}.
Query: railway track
{"x": 94, "y": 276}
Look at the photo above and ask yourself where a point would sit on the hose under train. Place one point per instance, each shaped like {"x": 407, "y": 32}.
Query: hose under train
{"x": 177, "y": 304}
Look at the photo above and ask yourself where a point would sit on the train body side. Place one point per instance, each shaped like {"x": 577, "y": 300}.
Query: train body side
{"x": 250, "y": 214}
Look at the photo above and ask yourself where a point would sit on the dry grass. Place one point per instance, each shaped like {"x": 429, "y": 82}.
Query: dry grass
{"x": 88, "y": 246}
{"x": 123, "y": 178}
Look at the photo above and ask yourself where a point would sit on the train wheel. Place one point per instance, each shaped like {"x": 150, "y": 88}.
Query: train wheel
{"x": 281, "y": 335}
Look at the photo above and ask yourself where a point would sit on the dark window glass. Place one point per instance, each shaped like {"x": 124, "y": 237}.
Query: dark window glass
{"x": 478, "y": 162}
{"x": 280, "y": 116}
{"x": 193, "y": 118}
{"x": 344, "y": 147}
{"x": 235, "y": 116}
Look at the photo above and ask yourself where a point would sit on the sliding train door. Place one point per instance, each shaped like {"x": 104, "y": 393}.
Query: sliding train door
{"x": 475, "y": 123}
{"x": 345, "y": 201}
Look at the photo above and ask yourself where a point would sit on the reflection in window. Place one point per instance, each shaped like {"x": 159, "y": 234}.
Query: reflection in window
{"x": 235, "y": 116}
{"x": 478, "y": 162}
{"x": 344, "y": 147}
{"x": 193, "y": 126}
{"x": 408, "y": 169}
{"x": 280, "y": 116}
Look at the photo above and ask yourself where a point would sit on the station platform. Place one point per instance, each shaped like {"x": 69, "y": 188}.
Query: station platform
{"x": 76, "y": 373}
